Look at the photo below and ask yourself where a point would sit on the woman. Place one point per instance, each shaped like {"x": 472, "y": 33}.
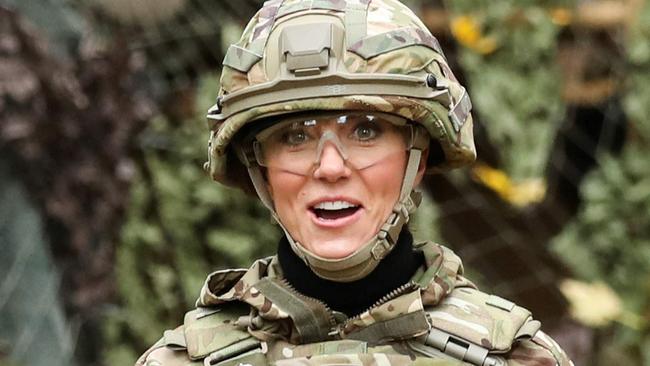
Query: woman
{"x": 332, "y": 112}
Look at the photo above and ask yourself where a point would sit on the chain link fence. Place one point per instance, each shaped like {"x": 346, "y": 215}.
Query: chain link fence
{"x": 108, "y": 225}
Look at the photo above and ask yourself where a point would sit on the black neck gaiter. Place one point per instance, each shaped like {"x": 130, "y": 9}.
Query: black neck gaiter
{"x": 352, "y": 298}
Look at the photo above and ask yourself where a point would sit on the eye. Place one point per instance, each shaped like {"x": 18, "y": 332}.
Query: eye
{"x": 294, "y": 137}
{"x": 366, "y": 131}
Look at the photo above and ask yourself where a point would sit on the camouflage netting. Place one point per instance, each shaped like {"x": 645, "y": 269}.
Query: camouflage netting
{"x": 134, "y": 224}
{"x": 180, "y": 226}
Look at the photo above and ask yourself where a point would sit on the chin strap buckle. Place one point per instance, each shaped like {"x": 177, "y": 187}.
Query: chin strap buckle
{"x": 380, "y": 248}
{"x": 389, "y": 232}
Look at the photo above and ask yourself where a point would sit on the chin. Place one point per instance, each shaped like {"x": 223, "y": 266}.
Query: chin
{"x": 337, "y": 248}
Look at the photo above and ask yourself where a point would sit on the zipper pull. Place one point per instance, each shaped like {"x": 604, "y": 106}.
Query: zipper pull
{"x": 248, "y": 321}
{"x": 339, "y": 319}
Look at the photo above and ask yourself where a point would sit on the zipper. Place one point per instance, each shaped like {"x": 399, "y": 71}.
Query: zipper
{"x": 384, "y": 299}
{"x": 393, "y": 294}
{"x": 336, "y": 328}
{"x": 328, "y": 310}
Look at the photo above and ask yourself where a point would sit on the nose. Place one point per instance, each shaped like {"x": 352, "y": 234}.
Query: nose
{"x": 331, "y": 166}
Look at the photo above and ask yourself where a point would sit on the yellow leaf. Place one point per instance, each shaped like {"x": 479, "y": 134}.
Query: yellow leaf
{"x": 527, "y": 192}
{"x": 519, "y": 194}
{"x": 594, "y": 304}
{"x": 561, "y": 16}
{"x": 486, "y": 45}
{"x": 466, "y": 30}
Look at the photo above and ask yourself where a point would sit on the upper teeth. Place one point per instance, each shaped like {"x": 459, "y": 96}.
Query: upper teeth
{"x": 336, "y": 205}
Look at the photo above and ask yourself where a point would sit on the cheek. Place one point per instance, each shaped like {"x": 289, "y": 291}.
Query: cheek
{"x": 388, "y": 181}
{"x": 285, "y": 190}
{"x": 383, "y": 186}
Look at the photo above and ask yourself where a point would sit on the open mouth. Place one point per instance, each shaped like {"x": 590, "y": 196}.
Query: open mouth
{"x": 334, "y": 210}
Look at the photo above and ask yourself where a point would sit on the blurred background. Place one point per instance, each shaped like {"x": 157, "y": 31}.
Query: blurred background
{"x": 108, "y": 224}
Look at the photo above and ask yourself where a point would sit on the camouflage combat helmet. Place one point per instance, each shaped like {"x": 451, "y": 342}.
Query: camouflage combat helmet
{"x": 358, "y": 55}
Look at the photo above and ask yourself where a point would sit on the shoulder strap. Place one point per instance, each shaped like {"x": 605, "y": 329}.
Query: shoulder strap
{"x": 209, "y": 331}
{"x": 209, "y": 335}
{"x": 168, "y": 351}
{"x": 473, "y": 326}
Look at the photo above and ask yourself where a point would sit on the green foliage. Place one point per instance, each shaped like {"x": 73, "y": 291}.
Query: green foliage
{"x": 610, "y": 241}
{"x": 516, "y": 90}
{"x": 421, "y": 223}
{"x": 516, "y": 87}
{"x": 610, "y": 238}
{"x": 180, "y": 226}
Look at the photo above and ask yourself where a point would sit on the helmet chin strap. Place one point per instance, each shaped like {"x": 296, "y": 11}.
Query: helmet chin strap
{"x": 360, "y": 263}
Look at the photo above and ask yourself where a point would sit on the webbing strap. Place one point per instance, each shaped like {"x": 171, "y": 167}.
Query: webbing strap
{"x": 410, "y": 174}
{"x": 231, "y": 351}
{"x": 266, "y": 20}
{"x": 392, "y": 40}
{"x": 461, "y": 111}
{"x": 296, "y": 6}
{"x": 355, "y": 22}
{"x": 310, "y": 318}
{"x": 500, "y": 303}
{"x": 240, "y": 58}
{"x": 434, "y": 255}
{"x": 403, "y": 327}
{"x": 528, "y": 330}
{"x": 348, "y": 273}
{"x": 175, "y": 339}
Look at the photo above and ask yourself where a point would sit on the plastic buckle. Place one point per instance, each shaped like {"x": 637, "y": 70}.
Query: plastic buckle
{"x": 460, "y": 349}
{"x": 381, "y": 247}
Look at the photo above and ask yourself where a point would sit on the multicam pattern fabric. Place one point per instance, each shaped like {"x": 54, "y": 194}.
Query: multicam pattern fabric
{"x": 393, "y": 40}
{"x": 390, "y": 40}
{"x": 237, "y": 323}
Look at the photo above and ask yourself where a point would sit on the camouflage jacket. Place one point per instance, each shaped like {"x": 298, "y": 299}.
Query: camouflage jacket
{"x": 254, "y": 317}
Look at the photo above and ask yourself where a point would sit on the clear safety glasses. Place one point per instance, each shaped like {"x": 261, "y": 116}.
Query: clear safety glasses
{"x": 362, "y": 140}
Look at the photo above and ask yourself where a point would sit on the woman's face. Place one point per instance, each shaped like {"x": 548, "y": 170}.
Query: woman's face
{"x": 335, "y": 208}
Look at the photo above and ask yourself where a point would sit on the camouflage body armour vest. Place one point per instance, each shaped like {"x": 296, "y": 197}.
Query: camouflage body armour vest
{"x": 254, "y": 317}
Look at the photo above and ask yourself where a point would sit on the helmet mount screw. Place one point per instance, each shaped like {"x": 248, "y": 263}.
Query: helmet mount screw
{"x": 432, "y": 82}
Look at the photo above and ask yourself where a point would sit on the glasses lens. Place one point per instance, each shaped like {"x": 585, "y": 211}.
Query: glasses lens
{"x": 362, "y": 140}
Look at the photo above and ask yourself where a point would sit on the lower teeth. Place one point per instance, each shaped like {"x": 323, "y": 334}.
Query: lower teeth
{"x": 335, "y": 214}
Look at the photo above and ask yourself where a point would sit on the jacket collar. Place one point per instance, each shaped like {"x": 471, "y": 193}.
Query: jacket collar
{"x": 262, "y": 287}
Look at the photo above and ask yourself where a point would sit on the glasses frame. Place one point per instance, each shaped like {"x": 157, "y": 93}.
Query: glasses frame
{"x": 256, "y": 148}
